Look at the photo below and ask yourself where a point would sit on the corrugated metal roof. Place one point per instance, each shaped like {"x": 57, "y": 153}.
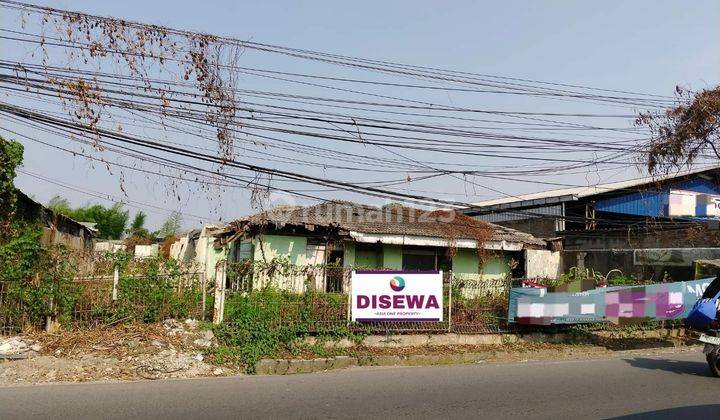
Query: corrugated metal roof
{"x": 573, "y": 193}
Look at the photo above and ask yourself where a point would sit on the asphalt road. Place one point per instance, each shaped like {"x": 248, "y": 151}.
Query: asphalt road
{"x": 669, "y": 386}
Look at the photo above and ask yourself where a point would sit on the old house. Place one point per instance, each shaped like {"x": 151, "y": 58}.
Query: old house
{"x": 198, "y": 247}
{"x": 57, "y": 229}
{"x": 351, "y": 235}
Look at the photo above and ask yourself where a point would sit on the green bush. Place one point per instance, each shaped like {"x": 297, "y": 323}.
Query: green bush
{"x": 253, "y": 326}
{"x": 149, "y": 292}
{"x": 268, "y": 321}
{"x": 39, "y": 279}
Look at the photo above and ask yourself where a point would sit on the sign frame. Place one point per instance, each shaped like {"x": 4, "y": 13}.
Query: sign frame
{"x": 377, "y": 296}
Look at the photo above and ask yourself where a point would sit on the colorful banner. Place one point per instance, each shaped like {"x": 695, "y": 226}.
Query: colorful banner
{"x": 618, "y": 304}
{"x": 397, "y": 296}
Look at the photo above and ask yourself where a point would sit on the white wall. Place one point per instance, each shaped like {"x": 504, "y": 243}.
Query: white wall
{"x": 542, "y": 263}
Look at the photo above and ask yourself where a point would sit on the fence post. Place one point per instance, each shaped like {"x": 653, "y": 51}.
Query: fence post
{"x": 450, "y": 291}
{"x": 203, "y": 287}
{"x": 349, "y": 308}
{"x": 116, "y": 280}
{"x": 51, "y": 324}
{"x": 219, "y": 309}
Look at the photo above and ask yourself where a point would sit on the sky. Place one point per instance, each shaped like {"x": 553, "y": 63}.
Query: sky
{"x": 641, "y": 46}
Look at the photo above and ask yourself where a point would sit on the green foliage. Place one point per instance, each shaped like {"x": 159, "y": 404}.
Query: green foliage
{"x": 266, "y": 322}
{"x": 59, "y": 205}
{"x": 622, "y": 280}
{"x": 171, "y": 226}
{"x": 149, "y": 292}
{"x": 253, "y": 326}
{"x": 20, "y": 253}
{"x": 137, "y": 227}
{"x": 39, "y": 279}
{"x": 111, "y": 221}
{"x": 11, "y": 156}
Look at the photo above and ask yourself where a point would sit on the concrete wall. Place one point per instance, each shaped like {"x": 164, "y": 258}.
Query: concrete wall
{"x": 544, "y": 264}
{"x": 349, "y": 254}
{"x": 145, "y": 251}
{"x": 293, "y": 248}
{"x": 368, "y": 258}
{"x": 109, "y": 246}
{"x": 392, "y": 257}
{"x": 205, "y": 253}
{"x": 183, "y": 249}
{"x": 496, "y": 267}
{"x": 645, "y": 264}
{"x": 465, "y": 261}
{"x": 213, "y": 256}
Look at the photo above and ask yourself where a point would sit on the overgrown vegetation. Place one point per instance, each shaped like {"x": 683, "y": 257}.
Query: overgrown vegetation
{"x": 11, "y": 156}
{"x": 613, "y": 277}
{"x": 269, "y": 321}
{"x": 37, "y": 279}
{"x": 149, "y": 291}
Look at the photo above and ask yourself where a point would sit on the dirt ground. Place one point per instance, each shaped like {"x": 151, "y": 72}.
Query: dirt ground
{"x": 171, "y": 349}
{"x": 180, "y": 349}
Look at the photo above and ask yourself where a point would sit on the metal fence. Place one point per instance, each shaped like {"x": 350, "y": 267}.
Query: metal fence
{"x": 471, "y": 304}
{"x": 107, "y": 299}
{"x": 11, "y": 312}
{"x": 298, "y": 279}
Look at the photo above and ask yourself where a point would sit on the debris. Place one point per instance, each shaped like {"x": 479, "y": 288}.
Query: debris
{"x": 18, "y": 347}
{"x": 169, "y": 349}
{"x": 201, "y": 342}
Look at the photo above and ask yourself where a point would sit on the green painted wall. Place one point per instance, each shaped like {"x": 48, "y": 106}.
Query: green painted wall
{"x": 368, "y": 258}
{"x": 465, "y": 261}
{"x": 349, "y": 254}
{"x": 392, "y": 257}
{"x": 212, "y": 257}
{"x": 268, "y": 247}
{"x": 496, "y": 268}
{"x": 293, "y": 248}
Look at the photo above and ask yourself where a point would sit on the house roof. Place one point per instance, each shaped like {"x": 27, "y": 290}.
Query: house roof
{"x": 389, "y": 220}
{"x": 51, "y": 217}
{"x": 574, "y": 193}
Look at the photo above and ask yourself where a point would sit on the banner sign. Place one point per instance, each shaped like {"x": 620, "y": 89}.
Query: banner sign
{"x": 618, "y": 304}
{"x": 379, "y": 296}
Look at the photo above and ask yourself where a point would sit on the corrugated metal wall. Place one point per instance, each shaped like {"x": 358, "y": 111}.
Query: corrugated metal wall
{"x": 653, "y": 203}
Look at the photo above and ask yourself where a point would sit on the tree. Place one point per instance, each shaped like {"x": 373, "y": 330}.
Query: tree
{"x": 171, "y": 226}
{"x": 684, "y": 133}
{"x": 59, "y": 205}
{"x": 111, "y": 221}
{"x": 137, "y": 227}
{"x": 11, "y": 156}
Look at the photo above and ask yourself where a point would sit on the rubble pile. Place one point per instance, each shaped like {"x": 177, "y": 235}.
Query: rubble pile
{"x": 18, "y": 347}
{"x": 170, "y": 349}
